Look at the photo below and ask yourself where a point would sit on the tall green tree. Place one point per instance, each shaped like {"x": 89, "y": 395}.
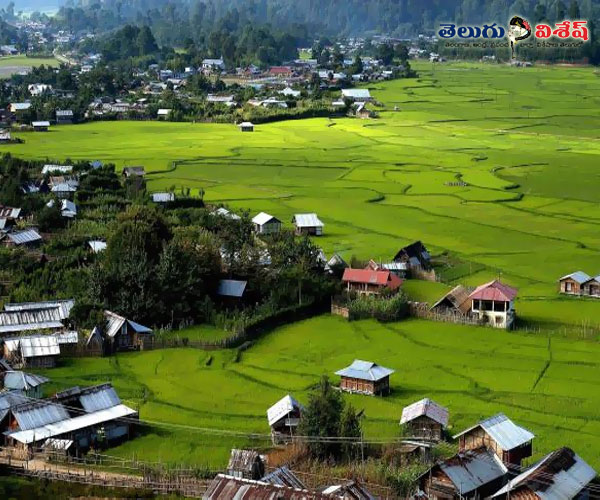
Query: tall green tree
{"x": 350, "y": 428}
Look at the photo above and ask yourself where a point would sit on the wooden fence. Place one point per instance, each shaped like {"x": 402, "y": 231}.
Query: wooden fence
{"x": 422, "y": 310}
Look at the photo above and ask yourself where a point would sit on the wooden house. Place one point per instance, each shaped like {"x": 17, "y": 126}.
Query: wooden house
{"x": 131, "y": 172}
{"x": 308, "y": 224}
{"x": 510, "y": 442}
{"x": 284, "y": 418}
{"x": 474, "y": 474}
{"x": 456, "y": 301}
{"x": 40, "y": 126}
{"x": 36, "y": 351}
{"x": 591, "y": 287}
{"x": 424, "y": 419}
{"x": 266, "y": 224}
{"x": 246, "y": 127}
{"x": 415, "y": 255}
{"x": 27, "y": 383}
{"x": 122, "y": 334}
{"x": 367, "y": 282}
{"x": 245, "y": 464}
{"x": 365, "y": 377}
{"x": 494, "y": 303}
{"x": 561, "y": 474}
{"x": 571, "y": 284}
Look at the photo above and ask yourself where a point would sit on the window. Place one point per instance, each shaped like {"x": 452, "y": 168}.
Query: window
{"x": 568, "y": 286}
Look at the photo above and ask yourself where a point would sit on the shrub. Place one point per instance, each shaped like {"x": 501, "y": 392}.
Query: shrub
{"x": 383, "y": 309}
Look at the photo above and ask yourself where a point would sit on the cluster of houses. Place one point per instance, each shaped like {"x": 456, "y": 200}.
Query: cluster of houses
{"x": 580, "y": 284}
{"x": 304, "y": 224}
{"x": 490, "y": 453}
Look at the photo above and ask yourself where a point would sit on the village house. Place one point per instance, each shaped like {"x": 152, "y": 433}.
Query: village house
{"x": 281, "y": 71}
{"x": 493, "y": 303}
{"x": 245, "y": 464}
{"x": 130, "y": 172}
{"x": 571, "y": 284}
{"x": 64, "y": 116}
{"x": 591, "y": 288}
{"x": 68, "y": 209}
{"x": 63, "y": 187}
{"x": 415, "y": 255}
{"x": 23, "y": 317}
{"x": 510, "y": 442}
{"x": 24, "y": 238}
{"x": 367, "y": 282}
{"x": 424, "y": 419}
{"x": 282, "y": 476}
{"x": 365, "y": 377}
{"x": 163, "y": 113}
{"x": 356, "y": 95}
{"x": 27, "y": 383}
{"x": 120, "y": 334}
{"x": 8, "y": 217}
{"x": 8, "y": 400}
{"x": 163, "y": 198}
{"x": 308, "y": 224}
{"x": 18, "y": 109}
{"x": 213, "y": 65}
{"x": 363, "y": 112}
{"x": 57, "y": 169}
{"x": 36, "y": 351}
{"x": 226, "y": 487}
{"x": 266, "y": 224}
{"x": 284, "y": 418}
{"x": 349, "y": 490}
{"x": 400, "y": 269}
{"x": 246, "y": 127}
{"x": 475, "y": 474}
{"x": 561, "y": 474}
{"x": 40, "y": 126}
{"x": 39, "y": 89}
{"x": 456, "y": 301}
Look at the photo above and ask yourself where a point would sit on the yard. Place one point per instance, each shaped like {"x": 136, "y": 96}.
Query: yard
{"x": 547, "y": 384}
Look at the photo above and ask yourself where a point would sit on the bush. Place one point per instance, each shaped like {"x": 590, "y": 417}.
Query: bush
{"x": 383, "y": 309}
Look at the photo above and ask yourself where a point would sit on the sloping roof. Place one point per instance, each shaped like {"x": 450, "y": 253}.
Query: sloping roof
{"x": 425, "y": 407}
{"x": 560, "y": 475}
{"x": 473, "y": 469}
{"x": 30, "y": 320}
{"x": 98, "y": 398}
{"x": 20, "y": 106}
{"x": 163, "y": 197}
{"x": 114, "y": 322}
{"x": 97, "y": 246}
{"x": 369, "y": 277}
{"x": 10, "y": 399}
{"x": 223, "y": 212}
{"x": 578, "y": 276}
{"x": 242, "y": 460}
{"x": 458, "y": 297}
{"x": 69, "y": 337}
{"x": 231, "y": 288}
{"x": 225, "y": 487}
{"x": 356, "y": 93}
{"x": 24, "y": 237}
{"x": 138, "y": 171}
{"x": 57, "y": 444}
{"x": 63, "y": 169}
{"x": 504, "y": 431}
{"x": 33, "y": 415}
{"x": 349, "y": 490}
{"x": 283, "y": 477}
{"x": 35, "y": 346}
{"x": 22, "y": 381}
{"x": 246, "y": 124}
{"x": 365, "y": 370}
{"x": 307, "y": 220}
{"x": 263, "y": 218}
{"x": 41, "y": 123}
{"x": 494, "y": 290}
{"x": 67, "y": 425}
{"x": 9, "y": 212}
{"x": 283, "y": 407}
{"x": 63, "y": 306}
{"x": 415, "y": 250}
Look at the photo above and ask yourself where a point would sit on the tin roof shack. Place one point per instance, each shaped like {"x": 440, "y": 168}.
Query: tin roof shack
{"x": 246, "y": 127}
{"x": 367, "y": 282}
{"x": 456, "y": 301}
{"x": 560, "y": 475}
{"x": 424, "y": 419}
{"x": 9, "y": 400}
{"x": 494, "y": 303}
{"x": 27, "y": 383}
{"x": 365, "y": 377}
{"x": 224, "y": 487}
{"x": 129, "y": 172}
{"x": 34, "y": 316}
{"x": 122, "y": 334}
{"x": 245, "y": 464}
{"x": 40, "y": 126}
{"x": 415, "y": 255}
{"x": 163, "y": 198}
{"x": 265, "y": 223}
{"x": 284, "y": 477}
{"x": 24, "y": 238}
{"x": 308, "y": 224}
{"x": 468, "y": 474}
{"x": 38, "y": 351}
{"x": 8, "y": 217}
{"x": 507, "y": 440}
{"x": 571, "y": 284}
{"x": 350, "y": 490}
{"x": 284, "y": 417}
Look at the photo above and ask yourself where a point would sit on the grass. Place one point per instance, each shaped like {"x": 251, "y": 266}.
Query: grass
{"x": 474, "y": 371}
{"x": 10, "y": 65}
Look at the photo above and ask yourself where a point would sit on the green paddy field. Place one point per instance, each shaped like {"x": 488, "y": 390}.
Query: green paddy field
{"x": 526, "y": 141}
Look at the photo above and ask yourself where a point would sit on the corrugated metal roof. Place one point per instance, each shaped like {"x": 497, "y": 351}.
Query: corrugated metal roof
{"x": 63, "y": 169}
{"x": 97, "y": 246}
{"x": 99, "y": 398}
{"x": 458, "y": 297}
{"x": 114, "y": 322}
{"x": 42, "y": 123}
{"x": 9, "y": 212}
{"x": 57, "y": 444}
{"x": 67, "y": 425}
{"x": 64, "y": 306}
{"x": 36, "y": 414}
{"x": 504, "y": 431}
{"x": 225, "y": 487}
{"x": 356, "y": 93}
{"x": 283, "y": 477}
{"x": 494, "y": 290}
{"x": 71, "y": 337}
{"x": 425, "y": 407}
{"x": 395, "y": 266}
{"x": 231, "y": 288}
{"x": 307, "y": 220}
{"x": 263, "y": 218}
{"x": 350, "y": 490}
{"x": 34, "y": 346}
{"x": 370, "y": 277}
{"x": 22, "y": 381}
{"x": 163, "y": 197}
{"x": 365, "y": 370}
{"x": 473, "y": 469}
{"x": 560, "y": 475}
{"x": 283, "y": 407}
{"x": 223, "y": 212}
{"x": 242, "y": 460}
{"x": 10, "y": 399}
{"x": 24, "y": 237}
{"x": 578, "y": 276}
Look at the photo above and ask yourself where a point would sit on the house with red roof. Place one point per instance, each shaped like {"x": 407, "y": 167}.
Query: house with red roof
{"x": 281, "y": 71}
{"x": 370, "y": 282}
{"x": 494, "y": 303}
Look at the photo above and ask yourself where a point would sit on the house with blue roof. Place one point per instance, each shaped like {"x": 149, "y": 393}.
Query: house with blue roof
{"x": 365, "y": 377}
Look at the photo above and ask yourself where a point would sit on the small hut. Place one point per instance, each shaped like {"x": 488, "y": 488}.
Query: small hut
{"x": 365, "y": 377}
{"x": 246, "y": 127}
{"x": 245, "y": 464}
{"x": 283, "y": 418}
{"x": 424, "y": 419}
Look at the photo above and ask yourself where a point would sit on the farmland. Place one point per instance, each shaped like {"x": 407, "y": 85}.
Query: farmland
{"x": 10, "y": 65}
{"x": 496, "y": 166}
{"x": 547, "y": 385}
